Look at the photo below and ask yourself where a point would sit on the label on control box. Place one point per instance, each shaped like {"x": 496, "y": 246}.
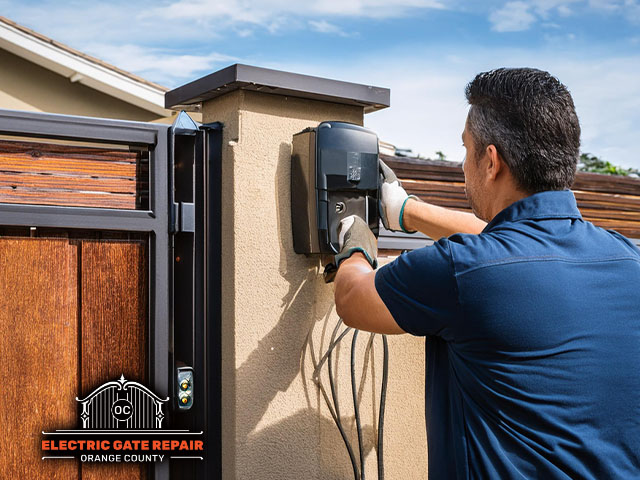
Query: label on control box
{"x": 354, "y": 166}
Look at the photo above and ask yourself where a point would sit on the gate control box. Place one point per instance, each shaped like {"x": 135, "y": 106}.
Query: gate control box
{"x": 334, "y": 174}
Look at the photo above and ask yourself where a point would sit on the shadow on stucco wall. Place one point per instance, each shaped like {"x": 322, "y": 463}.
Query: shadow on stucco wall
{"x": 287, "y": 451}
{"x": 275, "y": 363}
{"x": 304, "y": 443}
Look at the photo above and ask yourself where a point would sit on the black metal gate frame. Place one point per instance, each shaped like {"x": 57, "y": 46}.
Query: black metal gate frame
{"x": 159, "y": 222}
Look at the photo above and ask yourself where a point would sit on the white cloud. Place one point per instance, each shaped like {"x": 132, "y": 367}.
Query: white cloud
{"x": 512, "y": 17}
{"x": 150, "y": 22}
{"x": 268, "y": 13}
{"x": 520, "y": 15}
{"x": 630, "y": 9}
{"x": 563, "y": 7}
{"x": 372, "y": 8}
{"x": 610, "y": 5}
{"x": 162, "y": 65}
{"x": 564, "y": 10}
{"x": 322, "y": 26}
{"x": 633, "y": 9}
{"x": 76, "y": 22}
{"x": 244, "y": 32}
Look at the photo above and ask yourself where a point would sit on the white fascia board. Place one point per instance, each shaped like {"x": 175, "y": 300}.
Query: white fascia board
{"x": 90, "y": 74}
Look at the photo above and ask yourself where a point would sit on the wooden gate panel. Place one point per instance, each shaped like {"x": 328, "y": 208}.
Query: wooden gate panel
{"x": 74, "y": 175}
{"x": 39, "y": 352}
{"x": 114, "y": 326}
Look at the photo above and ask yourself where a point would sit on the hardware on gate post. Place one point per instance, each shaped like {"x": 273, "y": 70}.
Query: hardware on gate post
{"x": 334, "y": 174}
{"x": 185, "y": 388}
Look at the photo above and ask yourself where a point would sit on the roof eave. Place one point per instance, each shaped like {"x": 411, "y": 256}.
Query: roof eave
{"x": 82, "y": 70}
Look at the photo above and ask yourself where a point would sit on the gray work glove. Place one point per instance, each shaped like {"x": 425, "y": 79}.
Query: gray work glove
{"x": 393, "y": 198}
{"x": 354, "y": 235}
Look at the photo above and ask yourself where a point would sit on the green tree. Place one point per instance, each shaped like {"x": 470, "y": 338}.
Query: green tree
{"x": 591, "y": 163}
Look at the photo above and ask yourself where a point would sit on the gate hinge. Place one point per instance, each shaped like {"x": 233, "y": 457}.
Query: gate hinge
{"x": 183, "y": 217}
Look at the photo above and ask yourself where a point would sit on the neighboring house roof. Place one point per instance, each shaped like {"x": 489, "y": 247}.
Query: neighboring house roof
{"x": 609, "y": 201}
{"x": 82, "y": 68}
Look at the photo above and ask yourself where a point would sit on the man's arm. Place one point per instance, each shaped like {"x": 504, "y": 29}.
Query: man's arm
{"x": 402, "y": 212}
{"x": 357, "y": 300}
{"x": 437, "y": 222}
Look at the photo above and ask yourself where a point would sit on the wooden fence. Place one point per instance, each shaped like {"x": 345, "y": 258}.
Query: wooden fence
{"x": 611, "y": 202}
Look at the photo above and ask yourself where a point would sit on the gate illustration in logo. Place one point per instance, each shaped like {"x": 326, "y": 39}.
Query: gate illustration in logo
{"x": 122, "y": 404}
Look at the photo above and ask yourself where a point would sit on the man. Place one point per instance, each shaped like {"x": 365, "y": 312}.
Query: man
{"x": 532, "y": 320}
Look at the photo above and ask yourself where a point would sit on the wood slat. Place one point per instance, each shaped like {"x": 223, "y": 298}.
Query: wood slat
{"x": 627, "y": 232}
{"x": 614, "y": 224}
{"x": 606, "y": 201}
{"x": 609, "y": 214}
{"x": 432, "y": 186}
{"x": 67, "y": 198}
{"x": 445, "y": 202}
{"x": 55, "y": 182}
{"x": 403, "y": 173}
{"x": 38, "y": 149}
{"x": 114, "y": 327}
{"x": 39, "y": 352}
{"x": 597, "y": 182}
{"x": 68, "y": 166}
{"x": 460, "y": 195}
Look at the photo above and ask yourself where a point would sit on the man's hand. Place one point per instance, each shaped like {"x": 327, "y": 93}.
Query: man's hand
{"x": 392, "y": 200}
{"x": 354, "y": 235}
{"x": 357, "y": 300}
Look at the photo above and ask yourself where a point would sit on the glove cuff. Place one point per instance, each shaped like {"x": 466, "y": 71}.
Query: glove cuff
{"x": 347, "y": 253}
{"x": 402, "y": 213}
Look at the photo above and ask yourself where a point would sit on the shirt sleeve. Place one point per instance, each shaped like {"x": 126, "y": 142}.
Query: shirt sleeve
{"x": 419, "y": 289}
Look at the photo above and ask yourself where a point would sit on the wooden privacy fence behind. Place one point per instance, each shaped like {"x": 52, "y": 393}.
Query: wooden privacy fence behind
{"x": 73, "y": 175}
{"x": 611, "y": 202}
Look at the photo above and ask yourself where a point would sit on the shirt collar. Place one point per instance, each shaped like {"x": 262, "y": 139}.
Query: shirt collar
{"x": 549, "y": 204}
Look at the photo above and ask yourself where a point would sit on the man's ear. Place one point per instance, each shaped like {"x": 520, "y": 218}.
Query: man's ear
{"x": 495, "y": 163}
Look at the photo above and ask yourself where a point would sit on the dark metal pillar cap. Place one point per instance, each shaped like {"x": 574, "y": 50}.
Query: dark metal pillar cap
{"x": 276, "y": 82}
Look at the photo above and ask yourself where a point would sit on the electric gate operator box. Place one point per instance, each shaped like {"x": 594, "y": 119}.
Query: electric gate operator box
{"x": 334, "y": 174}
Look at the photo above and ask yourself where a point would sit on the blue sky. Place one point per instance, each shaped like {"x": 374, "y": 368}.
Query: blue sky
{"x": 425, "y": 51}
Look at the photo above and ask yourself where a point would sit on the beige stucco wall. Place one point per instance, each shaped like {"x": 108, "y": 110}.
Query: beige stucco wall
{"x": 275, "y": 423}
{"x": 27, "y": 86}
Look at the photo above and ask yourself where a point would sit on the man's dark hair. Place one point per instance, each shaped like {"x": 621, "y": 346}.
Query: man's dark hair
{"x": 529, "y": 116}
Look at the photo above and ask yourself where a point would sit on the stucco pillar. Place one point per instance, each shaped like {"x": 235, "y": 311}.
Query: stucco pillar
{"x": 274, "y": 421}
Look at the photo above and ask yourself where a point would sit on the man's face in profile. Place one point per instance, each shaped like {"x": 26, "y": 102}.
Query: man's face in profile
{"x": 470, "y": 164}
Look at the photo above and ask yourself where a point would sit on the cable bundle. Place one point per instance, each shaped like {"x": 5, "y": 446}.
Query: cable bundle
{"x": 333, "y": 404}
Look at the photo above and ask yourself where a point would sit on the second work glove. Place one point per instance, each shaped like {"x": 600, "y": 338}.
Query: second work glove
{"x": 354, "y": 235}
{"x": 393, "y": 199}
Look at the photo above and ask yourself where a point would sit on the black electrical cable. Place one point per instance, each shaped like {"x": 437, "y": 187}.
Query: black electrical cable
{"x": 356, "y": 410}
{"x": 383, "y": 399}
{"x": 359, "y": 473}
{"x": 318, "y": 367}
{"x": 331, "y": 410}
{"x": 334, "y": 395}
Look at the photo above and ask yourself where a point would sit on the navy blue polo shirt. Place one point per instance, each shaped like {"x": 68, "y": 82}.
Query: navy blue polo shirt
{"x": 533, "y": 344}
